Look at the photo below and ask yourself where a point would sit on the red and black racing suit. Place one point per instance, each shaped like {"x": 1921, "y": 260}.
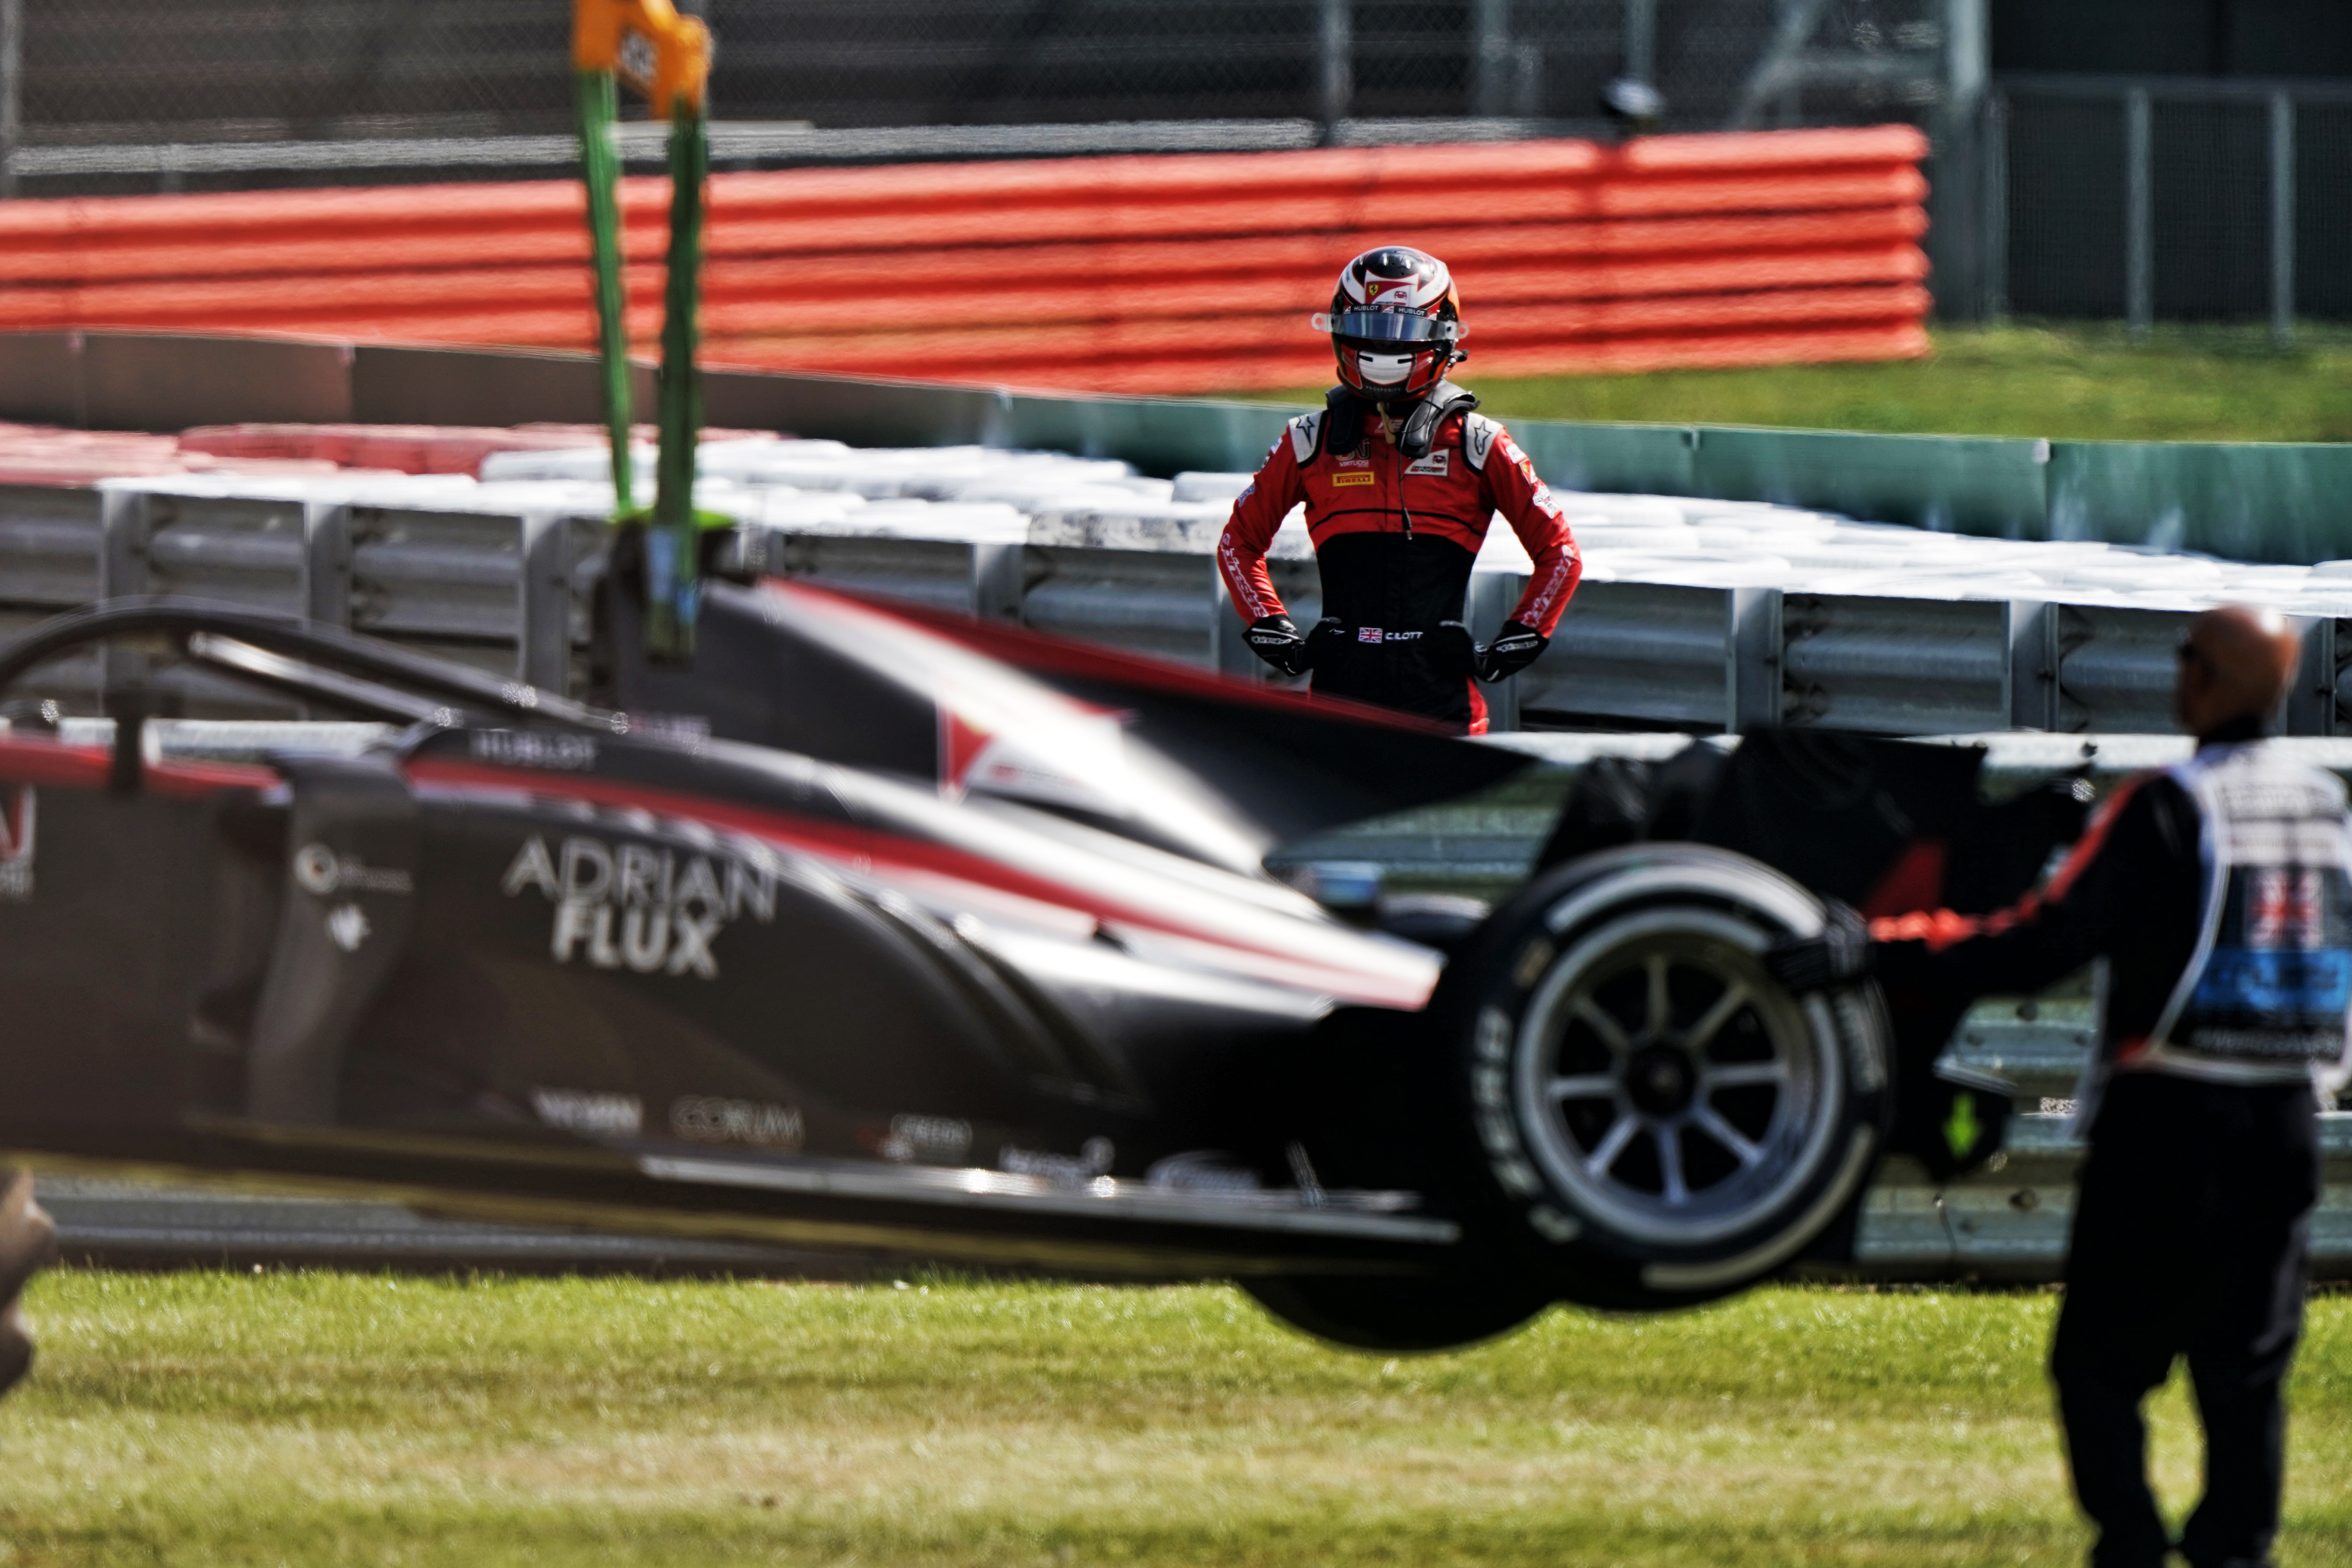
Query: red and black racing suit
{"x": 1394, "y": 540}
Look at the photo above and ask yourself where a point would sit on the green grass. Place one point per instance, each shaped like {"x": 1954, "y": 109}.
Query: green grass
{"x": 2081, "y": 381}
{"x": 316, "y": 1418}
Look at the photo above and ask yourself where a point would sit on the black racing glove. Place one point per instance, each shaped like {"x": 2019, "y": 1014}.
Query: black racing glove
{"x": 1452, "y": 650}
{"x": 1328, "y": 638}
{"x": 1276, "y": 639}
{"x": 1839, "y": 955}
{"x": 1515, "y": 647}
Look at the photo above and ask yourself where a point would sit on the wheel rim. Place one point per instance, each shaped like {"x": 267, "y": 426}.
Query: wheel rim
{"x": 1671, "y": 1091}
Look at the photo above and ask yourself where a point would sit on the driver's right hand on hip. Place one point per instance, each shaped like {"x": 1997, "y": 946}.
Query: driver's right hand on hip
{"x": 1276, "y": 639}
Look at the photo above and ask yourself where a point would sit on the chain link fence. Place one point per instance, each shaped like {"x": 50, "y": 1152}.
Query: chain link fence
{"x": 99, "y": 86}
{"x": 2323, "y": 239}
{"x": 128, "y": 71}
{"x": 2166, "y": 199}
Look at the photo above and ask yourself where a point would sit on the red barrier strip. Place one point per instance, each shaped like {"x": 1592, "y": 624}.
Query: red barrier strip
{"x": 1084, "y": 274}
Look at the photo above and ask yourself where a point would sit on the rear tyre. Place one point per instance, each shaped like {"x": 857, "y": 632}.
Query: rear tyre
{"x": 1402, "y": 1315}
{"x": 1656, "y": 1122}
{"x": 16, "y": 1348}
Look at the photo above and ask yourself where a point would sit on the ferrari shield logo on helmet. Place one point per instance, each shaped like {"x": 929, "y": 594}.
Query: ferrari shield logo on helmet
{"x": 15, "y": 843}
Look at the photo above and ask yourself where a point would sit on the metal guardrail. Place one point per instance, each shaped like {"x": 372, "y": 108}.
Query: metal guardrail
{"x": 508, "y": 589}
{"x": 498, "y": 589}
{"x": 2011, "y": 1221}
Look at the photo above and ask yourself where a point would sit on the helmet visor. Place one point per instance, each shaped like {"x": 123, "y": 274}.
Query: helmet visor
{"x": 1386, "y": 327}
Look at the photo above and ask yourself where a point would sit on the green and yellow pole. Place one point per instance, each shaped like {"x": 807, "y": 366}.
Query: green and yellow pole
{"x": 598, "y": 97}
{"x": 673, "y": 545}
{"x": 678, "y": 89}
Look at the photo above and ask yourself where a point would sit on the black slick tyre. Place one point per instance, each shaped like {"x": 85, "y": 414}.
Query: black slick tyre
{"x": 1653, "y": 1120}
{"x": 1403, "y": 1314}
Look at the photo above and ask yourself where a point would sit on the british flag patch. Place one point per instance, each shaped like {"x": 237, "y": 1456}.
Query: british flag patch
{"x": 2285, "y": 908}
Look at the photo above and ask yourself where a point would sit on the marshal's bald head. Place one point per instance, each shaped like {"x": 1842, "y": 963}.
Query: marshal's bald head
{"x": 2236, "y": 663}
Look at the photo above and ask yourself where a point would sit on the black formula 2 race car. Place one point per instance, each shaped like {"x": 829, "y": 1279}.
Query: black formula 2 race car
{"x": 882, "y": 932}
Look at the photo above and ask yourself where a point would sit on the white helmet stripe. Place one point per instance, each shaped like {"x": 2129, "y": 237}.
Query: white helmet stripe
{"x": 1418, "y": 291}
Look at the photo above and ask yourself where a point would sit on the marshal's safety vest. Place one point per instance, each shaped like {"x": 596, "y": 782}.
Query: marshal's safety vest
{"x": 2265, "y": 995}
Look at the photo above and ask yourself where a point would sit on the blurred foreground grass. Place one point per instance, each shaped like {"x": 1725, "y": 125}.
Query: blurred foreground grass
{"x": 326, "y": 1419}
{"x": 2070, "y": 382}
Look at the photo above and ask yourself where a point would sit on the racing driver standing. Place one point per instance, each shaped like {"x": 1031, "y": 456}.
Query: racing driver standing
{"x": 1400, "y": 478}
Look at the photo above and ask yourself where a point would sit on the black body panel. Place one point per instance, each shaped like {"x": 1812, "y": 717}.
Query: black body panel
{"x": 543, "y": 961}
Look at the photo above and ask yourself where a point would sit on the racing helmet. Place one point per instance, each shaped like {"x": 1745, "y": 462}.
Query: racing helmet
{"x": 1394, "y": 321}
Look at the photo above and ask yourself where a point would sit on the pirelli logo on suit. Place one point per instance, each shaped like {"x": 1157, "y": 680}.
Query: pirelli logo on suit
{"x": 1355, "y": 477}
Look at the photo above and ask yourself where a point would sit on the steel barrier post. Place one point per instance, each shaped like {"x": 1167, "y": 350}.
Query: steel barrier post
{"x": 998, "y": 575}
{"x": 2139, "y": 218}
{"x": 543, "y": 602}
{"x": 2282, "y": 219}
{"x": 2030, "y": 681}
{"x": 12, "y": 72}
{"x": 2337, "y": 636}
{"x": 1502, "y": 706}
{"x": 1752, "y": 665}
{"x": 1956, "y": 234}
{"x": 325, "y": 588}
{"x": 327, "y": 564}
{"x": 2310, "y": 705}
{"x": 126, "y": 521}
{"x": 1994, "y": 140}
{"x": 1493, "y": 596}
